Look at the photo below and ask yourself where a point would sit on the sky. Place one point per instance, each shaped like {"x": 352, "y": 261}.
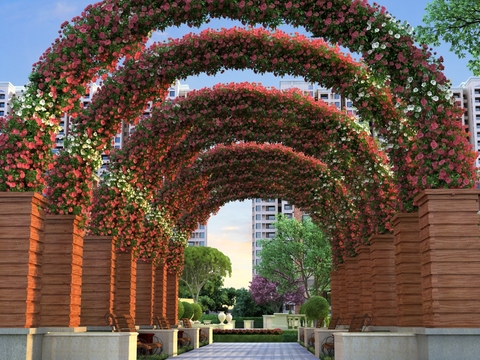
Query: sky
{"x": 30, "y": 26}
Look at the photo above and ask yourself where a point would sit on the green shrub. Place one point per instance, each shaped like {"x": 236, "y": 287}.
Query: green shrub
{"x": 188, "y": 310}
{"x": 181, "y": 309}
{"x": 289, "y": 336}
{"x": 197, "y": 311}
{"x": 316, "y": 307}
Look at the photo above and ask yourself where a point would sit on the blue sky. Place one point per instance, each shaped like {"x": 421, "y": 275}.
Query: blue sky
{"x": 30, "y": 26}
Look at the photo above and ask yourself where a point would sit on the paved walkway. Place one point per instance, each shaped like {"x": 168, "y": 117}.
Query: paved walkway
{"x": 249, "y": 351}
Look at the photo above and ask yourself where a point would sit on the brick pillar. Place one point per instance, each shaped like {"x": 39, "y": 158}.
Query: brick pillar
{"x": 365, "y": 275}
{"x": 353, "y": 286}
{"x": 450, "y": 257}
{"x": 343, "y": 293}
{"x": 382, "y": 255}
{"x": 145, "y": 292}
{"x": 125, "y": 283}
{"x": 98, "y": 287}
{"x": 334, "y": 294}
{"x": 62, "y": 271}
{"x": 172, "y": 298}
{"x": 21, "y": 258}
{"x": 160, "y": 305}
{"x": 408, "y": 269}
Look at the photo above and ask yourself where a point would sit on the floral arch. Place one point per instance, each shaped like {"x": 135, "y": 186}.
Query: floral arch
{"x": 91, "y": 45}
{"x": 249, "y": 170}
{"x": 177, "y": 132}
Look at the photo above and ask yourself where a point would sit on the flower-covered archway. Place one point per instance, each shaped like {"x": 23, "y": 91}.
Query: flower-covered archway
{"x": 249, "y": 170}
{"x": 177, "y": 132}
{"x": 144, "y": 78}
{"x": 91, "y": 45}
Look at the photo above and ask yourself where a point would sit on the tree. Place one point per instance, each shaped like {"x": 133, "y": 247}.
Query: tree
{"x": 456, "y": 22}
{"x": 246, "y": 306}
{"x": 203, "y": 263}
{"x": 265, "y": 292}
{"x": 299, "y": 256}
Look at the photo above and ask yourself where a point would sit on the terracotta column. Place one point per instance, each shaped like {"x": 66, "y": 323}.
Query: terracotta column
{"x": 353, "y": 286}
{"x": 450, "y": 257}
{"x": 334, "y": 293}
{"x": 125, "y": 283}
{"x": 408, "y": 269}
{"x": 62, "y": 271}
{"x": 160, "y": 305}
{"x": 98, "y": 279}
{"x": 384, "y": 298}
{"x": 172, "y": 298}
{"x": 343, "y": 293}
{"x": 145, "y": 292}
{"x": 365, "y": 275}
{"x": 21, "y": 257}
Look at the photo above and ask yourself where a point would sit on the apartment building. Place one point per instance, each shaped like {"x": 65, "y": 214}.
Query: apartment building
{"x": 467, "y": 96}
{"x": 7, "y": 91}
{"x": 264, "y": 213}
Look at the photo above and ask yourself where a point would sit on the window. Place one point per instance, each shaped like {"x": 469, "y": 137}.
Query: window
{"x": 258, "y": 217}
{"x": 270, "y": 235}
{"x": 288, "y": 207}
{"x": 201, "y": 227}
{"x": 324, "y": 96}
{"x": 336, "y": 96}
{"x": 349, "y": 104}
{"x": 258, "y": 226}
{"x": 270, "y": 208}
{"x": 201, "y": 235}
{"x": 2, "y": 96}
{"x": 270, "y": 217}
{"x": 258, "y": 235}
{"x": 258, "y": 208}
{"x": 2, "y": 113}
{"x": 2, "y": 105}
{"x": 172, "y": 93}
{"x": 270, "y": 226}
{"x": 258, "y": 200}
{"x": 337, "y": 104}
{"x": 289, "y": 215}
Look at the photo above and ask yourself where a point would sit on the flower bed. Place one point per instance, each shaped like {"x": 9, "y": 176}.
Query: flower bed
{"x": 276, "y": 331}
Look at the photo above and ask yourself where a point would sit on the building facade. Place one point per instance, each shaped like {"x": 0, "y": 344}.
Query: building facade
{"x": 467, "y": 96}
{"x": 264, "y": 212}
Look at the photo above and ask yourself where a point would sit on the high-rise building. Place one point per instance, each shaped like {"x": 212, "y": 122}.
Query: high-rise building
{"x": 467, "y": 96}
{"x": 7, "y": 91}
{"x": 264, "y": 213}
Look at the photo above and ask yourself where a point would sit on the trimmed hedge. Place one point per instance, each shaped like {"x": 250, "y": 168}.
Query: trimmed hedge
{"x": 247, "y": 338}
{"x": 287, "y": 336}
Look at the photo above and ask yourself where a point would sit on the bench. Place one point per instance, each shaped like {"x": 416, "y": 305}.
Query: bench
{"x": 357, "y": 324}
{"x": 183, "y": 338}
{"x": 147, "y": 344}
{"x": 188, "y": 325}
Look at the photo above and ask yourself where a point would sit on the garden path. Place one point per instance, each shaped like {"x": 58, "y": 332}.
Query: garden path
{"x": 249, "y": 351}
